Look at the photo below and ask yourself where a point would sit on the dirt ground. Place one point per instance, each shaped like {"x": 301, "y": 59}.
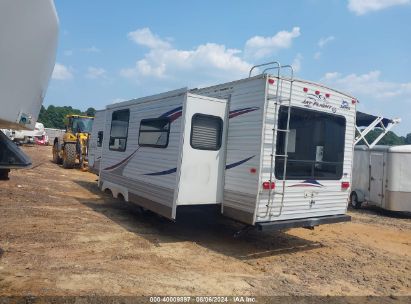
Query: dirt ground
{"x": 59, "y": 235}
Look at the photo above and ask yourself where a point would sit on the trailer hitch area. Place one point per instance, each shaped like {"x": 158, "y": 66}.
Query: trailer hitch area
{"x": 243, "y": 231}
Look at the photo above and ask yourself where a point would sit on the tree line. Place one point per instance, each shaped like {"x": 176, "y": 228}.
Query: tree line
{"x": 53, "y": 117}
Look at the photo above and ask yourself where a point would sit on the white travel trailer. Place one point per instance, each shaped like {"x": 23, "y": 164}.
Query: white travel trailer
{"x": 165, "y": 151}
{"x": 382, "y": 177}
{"x": 96, "y": 141}
{"x": 177, "y": 148}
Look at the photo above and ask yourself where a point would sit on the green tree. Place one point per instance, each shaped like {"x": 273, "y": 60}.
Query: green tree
{"x": 91, "y": 112}
{"x": 389, "y": 139}
{"x": 43, "y": 118}
{"x": 53, "y": 117}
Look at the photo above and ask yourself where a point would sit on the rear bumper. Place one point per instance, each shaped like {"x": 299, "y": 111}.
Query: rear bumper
{"x": 306, "y": 222}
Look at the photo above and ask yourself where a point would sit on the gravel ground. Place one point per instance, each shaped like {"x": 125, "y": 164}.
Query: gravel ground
{"x": 59, "y": 235}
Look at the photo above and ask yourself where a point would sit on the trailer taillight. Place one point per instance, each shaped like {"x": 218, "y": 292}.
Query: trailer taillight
{"x": 345, "y": 185}
{"x": 353, "y": 101}
{"x": 327, "y": 95}
{"x": 305, "y": 90}
{"x": 317, "y": 92}
{"x": 271, "y": 81}
{"x": 268, "y": 185}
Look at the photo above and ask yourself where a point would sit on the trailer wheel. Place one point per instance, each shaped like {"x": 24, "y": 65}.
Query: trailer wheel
{"x": 56, "y": 157}
{"x": 354, "y": 201}
{"x": 69, "y": 156}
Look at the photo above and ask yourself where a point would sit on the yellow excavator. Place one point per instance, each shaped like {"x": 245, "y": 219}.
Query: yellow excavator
{"x": 73, "y": 145}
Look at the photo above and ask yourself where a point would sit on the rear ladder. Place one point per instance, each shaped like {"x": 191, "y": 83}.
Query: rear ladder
{"x": 278, "y": 101}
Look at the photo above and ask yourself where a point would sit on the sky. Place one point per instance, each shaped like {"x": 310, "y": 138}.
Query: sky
{"x": 110, "y": 51}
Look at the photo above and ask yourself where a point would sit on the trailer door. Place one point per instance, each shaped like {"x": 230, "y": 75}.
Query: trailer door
{"x": 201, "y": 174}
{"x": 376, "y": 178}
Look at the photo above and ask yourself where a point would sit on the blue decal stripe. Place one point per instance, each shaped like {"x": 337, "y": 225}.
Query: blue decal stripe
{"x": 173, "y": 170}
{"x": 244, "y": 109}
{"x": 308, "y": 183}
{"x": 312, "y": 181}
{"x": 166, "y": 114}
{"x": 235, "y": 113}
{"x": 163, "y": 172}
{"x": 123, "y": 161}
{"x": 238, "y": 163}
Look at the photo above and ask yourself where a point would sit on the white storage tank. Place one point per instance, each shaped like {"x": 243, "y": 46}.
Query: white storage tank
{"x": 28, "y": 44}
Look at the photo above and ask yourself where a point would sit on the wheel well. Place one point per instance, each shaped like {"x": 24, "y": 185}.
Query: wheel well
{"x": 115, "y": 190}
{"x": 108, "y": 191}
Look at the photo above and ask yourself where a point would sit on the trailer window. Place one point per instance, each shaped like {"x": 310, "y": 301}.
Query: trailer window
{"x": 119, "y": 130}
{"x": 316, "y": 146}
{"x": 99, "y": 138}
{"x": 206, "y": 132}
{"x": 154, "y": 132}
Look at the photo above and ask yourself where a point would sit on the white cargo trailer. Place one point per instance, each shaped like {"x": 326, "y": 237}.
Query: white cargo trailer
{"x": 382, "y": 177}
{"x": 96, "y": 141}
{"x": 177, "y": 149}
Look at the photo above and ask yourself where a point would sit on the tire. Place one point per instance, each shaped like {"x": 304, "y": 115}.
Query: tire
{"x": 56, "y": 157}
{"x": 69, "y": 156}
{"x": 354, "y": 201}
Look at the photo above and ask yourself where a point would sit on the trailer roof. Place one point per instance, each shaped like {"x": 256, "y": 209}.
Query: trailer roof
{"x": 147, "y": 98}
{"x": 194, "y": 90}
{"x": 322, "y": 85}
{"x": 272, "y": 76}
{"x": 400, "y": 149}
